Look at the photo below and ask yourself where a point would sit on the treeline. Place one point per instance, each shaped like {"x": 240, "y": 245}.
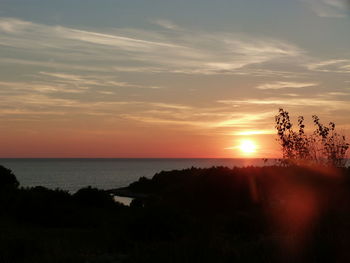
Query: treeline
{"x": 57, "y": 208}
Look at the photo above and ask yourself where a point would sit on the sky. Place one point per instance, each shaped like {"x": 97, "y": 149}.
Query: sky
{"x": 165, "y": 78}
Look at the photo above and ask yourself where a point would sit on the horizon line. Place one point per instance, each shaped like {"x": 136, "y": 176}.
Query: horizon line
{"x": 137, "y": 158}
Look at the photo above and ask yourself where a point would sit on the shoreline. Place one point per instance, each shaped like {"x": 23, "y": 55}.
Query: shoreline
{"x": 125, "y": 192}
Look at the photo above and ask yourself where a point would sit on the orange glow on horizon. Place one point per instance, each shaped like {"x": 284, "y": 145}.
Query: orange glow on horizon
{"x": 75, "y": 142}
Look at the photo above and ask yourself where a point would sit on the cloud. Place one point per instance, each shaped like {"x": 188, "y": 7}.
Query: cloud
{"x": 39, "y": 87}
{"x": 122, "y": 42}
{"x": 337, "y": 93}
{"x": 171, "y": 106}
{"x": 35, "y": 101}
{"x": 329, "y": 8}
{"x": 13, "y": 25}
{"x": 74, "y": 73}
{"x": 325, "y": 102}
{"x": 284, "y": 85}
{"x": 184, "y": 52}
{"x": 92, "y": 81}
{"x": 214, "y": 119}
{"x": 53, "y": 64}
{"x": 166, "y": 24}
{"x": 253, "y": 132}
{"x": 334, "y": 66}
{"x": 245, "y": 119}
{"x": 64, "y": 98}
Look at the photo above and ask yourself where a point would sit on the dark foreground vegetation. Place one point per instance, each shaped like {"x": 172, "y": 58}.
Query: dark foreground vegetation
{"x": 268, "y": 214}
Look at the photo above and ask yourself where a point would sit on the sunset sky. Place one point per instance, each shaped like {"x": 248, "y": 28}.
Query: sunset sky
{"x": 167, "y": 78}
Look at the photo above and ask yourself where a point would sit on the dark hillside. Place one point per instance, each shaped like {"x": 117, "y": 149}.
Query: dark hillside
{"x": 268, "y": 214}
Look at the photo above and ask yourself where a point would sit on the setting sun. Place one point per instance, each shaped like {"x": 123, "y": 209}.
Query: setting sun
{"x": 248, "y": 146}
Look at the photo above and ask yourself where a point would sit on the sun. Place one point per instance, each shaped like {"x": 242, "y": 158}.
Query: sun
{"x": 247, "y": 146}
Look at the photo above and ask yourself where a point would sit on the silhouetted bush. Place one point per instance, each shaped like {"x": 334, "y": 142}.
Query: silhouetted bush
{"x": 42, "y": 206}
{"x": 8, "y": 188}
{"x": 324, "y": 146}
{"x": 89, "y": 196}
{"x": 8, "y": 180}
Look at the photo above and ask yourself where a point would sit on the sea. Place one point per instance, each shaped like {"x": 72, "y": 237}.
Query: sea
{"x": 73, "y": 174}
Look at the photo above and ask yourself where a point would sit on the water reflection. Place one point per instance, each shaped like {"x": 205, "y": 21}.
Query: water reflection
{"x": 124, "y": 200}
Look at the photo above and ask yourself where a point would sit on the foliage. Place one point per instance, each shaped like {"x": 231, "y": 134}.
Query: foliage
{"x": 324, "y": 146}
{"x": 7, "y": 179}
{"x": 93, "y": 197}
{"x": 8, "y": 188}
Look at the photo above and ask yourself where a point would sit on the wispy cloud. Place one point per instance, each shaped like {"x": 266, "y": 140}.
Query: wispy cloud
{"x": 13, "y": 25}
{"x": 39, "y": 87}
{"x": 334, "y": 66}
{"x": 215, "y": 119}
{"x": 55, "y": 65}
{"x": 171, "y": 106}
{"x": 245, "y": 119}
{"x": 337, "y": 93}
{"x": 75, "y": 74}
{"x": 62, "y": 97}
{"x": 186, "y": 52}
{"x": 325, "y": 102}
{"x": 122, "y": 42}
{"x": 253, "y": 132}
{"x": 166, "y": 24}
{"x": 283, "y": 85}
{"x": 329, "y": 8}
{"x": 92, "y": 81}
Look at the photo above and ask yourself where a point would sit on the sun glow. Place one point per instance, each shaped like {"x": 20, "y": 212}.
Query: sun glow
{"x": 248, "y": 147}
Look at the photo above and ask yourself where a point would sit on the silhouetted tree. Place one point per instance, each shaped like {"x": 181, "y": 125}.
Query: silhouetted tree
{"x": 333, "y": 144}
{"x": 8, "y": 180}
{"x": 8, "y": 188}
{"x": 89, "y": 196}
{"x": 323, "y": 146}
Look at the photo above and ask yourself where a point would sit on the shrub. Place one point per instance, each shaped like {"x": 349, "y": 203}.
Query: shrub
{"x": 94, "y": 197}
{"x": 324, "y": 146}
{"x": 7, "y": 179}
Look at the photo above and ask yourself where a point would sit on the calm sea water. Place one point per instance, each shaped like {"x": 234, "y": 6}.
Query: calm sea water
{"x": 73, "y": 174}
